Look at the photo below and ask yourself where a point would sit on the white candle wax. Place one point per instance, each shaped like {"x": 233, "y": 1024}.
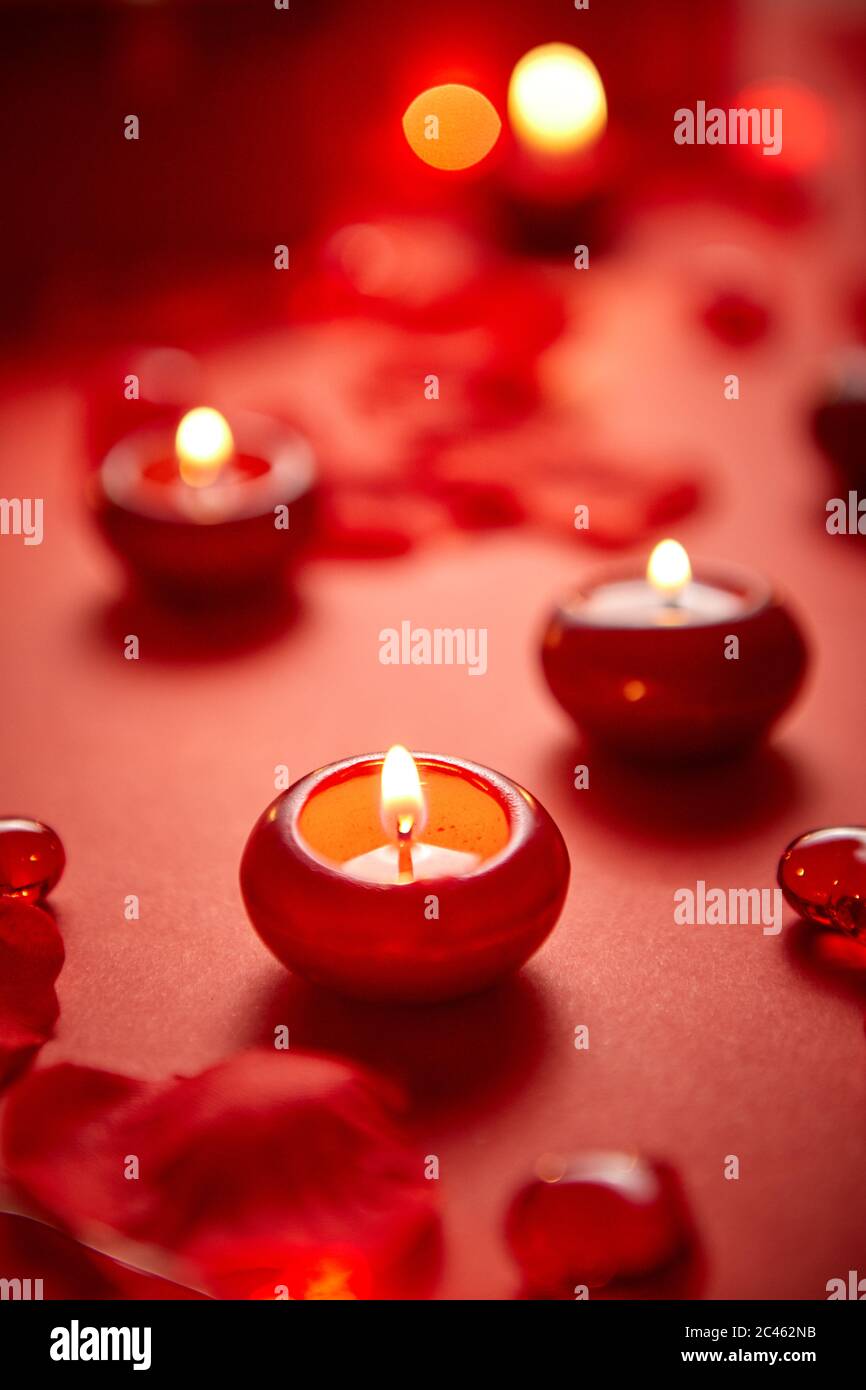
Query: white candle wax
{"x": 635, "y": 603}
{"x": 383, "y": 865}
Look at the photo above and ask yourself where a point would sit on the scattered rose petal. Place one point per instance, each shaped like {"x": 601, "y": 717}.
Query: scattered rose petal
{"x": 268, "y": 1172}
{"x": 58, "y": 1267}
{"x": 549, "y": 472}
{"x": 31, "y": 955}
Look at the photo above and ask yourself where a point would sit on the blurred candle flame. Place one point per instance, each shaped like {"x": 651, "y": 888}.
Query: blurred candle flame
{"x": 403, "y": 809}
{"x": 669, "y": 569}
{"x": 203, "y": 443}
{"x": 556, "y": 100}
{"x": 452, "y": 126}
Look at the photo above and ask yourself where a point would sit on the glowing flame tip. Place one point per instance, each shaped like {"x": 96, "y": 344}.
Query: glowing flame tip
{"x": 203, "y": 443}
{"x": 669, "y": 569}
{"x": 403, "y": 808}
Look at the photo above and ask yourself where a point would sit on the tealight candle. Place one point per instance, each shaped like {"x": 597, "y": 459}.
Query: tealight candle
{"x": 401, "y": 878}
{"x": 556, "y": 102}
{"x": 211, "y": 509}
{"x": 557, "y": 112}
{"x": 675, "y": 664}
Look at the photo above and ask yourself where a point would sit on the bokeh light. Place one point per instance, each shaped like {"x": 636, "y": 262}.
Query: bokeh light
{"x": 451, "y": 127}
{"x": 556, "y": 99}
{"x": 808, "y": 134}
{"x": 203, "y": 443}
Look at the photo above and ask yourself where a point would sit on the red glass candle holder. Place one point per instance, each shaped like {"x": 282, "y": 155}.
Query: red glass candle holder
{"x": 665, "y": 688}
{"x": 213, "y": 541}
{"x": 426, "y": 940}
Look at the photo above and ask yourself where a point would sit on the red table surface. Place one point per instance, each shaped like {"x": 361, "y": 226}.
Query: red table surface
{"x": 704, "y": 1041}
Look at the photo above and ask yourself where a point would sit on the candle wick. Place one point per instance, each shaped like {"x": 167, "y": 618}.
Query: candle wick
{"x": 405, "y": 869}
{"x": 404, "y": 857}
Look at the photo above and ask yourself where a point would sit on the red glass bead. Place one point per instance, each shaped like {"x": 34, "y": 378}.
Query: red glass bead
{"x": 598, "y": 1219}
{"x": 31, "y": 858}
{"x": 823, "y": 876}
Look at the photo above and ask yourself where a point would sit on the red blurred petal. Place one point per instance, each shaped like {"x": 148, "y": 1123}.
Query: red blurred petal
{"x": 31, "y": 955}
{"x": 547, "y": 471}
{"x": 269, "y": 1169}
{"x": 30, "y": 1250}
{"x": 430, "y": 276}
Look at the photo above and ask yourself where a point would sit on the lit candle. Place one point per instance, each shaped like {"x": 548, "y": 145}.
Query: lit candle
{"x": 404, "y": 814}
{"x": 561, "y": 163}
{"x": 556, "y": 101}
{"x": 207, "y": 510}
{"x": 203, "y": 443}
{"x": 674, "y": 664}
{"x": 404, "y": 878}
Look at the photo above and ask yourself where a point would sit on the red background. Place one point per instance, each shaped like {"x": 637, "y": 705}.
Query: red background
{"x": 705, "y": 1041}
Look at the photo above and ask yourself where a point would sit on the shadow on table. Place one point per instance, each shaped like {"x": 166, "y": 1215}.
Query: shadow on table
{"x": 685, "y": 1278}
{"x": 683, "y": 804}
{"x": 832, "y": 958}
{"x": 196, "y": 634}
{"x": 468, "y": 1056}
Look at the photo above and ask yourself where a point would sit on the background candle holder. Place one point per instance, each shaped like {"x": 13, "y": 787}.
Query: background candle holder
{"x": 669, "y": 691}
{"x": 206, "y": 543}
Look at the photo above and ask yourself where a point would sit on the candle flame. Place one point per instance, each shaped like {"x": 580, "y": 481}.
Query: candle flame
{"x": 669, "y": 570}
{"x": 556, "y": 99}
{"x": 404, "y": 812}
{"x": 203, "y": 443}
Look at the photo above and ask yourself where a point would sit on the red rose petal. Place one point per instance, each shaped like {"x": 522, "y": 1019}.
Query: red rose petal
{"x": 266, "y": 1171}
{"x": 550, "y": 471}
{"x": 355, "y": 521}
{"x": 58, "y": 1267}
{"x": 31, "y": 955}
{"x": 736, "y": 318}
{"x": 430, "y": 276}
